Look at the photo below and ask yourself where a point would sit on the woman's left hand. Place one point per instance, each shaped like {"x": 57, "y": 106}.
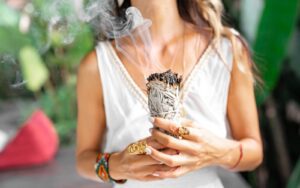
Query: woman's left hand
{"x": 198, "y": 149}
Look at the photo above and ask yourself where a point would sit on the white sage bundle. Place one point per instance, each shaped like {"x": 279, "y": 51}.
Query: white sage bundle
{"x": 163, "y": 95}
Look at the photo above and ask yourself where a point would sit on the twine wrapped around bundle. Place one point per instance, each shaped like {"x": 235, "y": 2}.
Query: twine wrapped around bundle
{"x": 163, "y": 95}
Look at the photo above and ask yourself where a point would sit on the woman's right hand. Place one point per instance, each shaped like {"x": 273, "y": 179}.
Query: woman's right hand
{"x": 124, "y": 165}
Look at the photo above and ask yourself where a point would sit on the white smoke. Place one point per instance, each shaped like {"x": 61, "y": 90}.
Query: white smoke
{"x": 13, "y": 70}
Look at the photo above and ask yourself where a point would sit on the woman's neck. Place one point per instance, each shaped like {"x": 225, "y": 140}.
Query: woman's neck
{"x": 166, "y": 21}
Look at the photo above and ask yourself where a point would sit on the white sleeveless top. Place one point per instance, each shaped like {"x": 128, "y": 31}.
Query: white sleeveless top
{"x": 204, "y": 99}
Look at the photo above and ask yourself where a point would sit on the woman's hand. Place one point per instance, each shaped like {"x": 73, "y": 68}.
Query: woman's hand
{"x": 124, "y": 165}
{"x": 198, "y": 149}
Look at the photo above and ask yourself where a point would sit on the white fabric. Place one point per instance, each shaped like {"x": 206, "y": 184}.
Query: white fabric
{"x": 120, "y": 2}
{"x": 204, "y": 100}
{"x": 3, "y": 140}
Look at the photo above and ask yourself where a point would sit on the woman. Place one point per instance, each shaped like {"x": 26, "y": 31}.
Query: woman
{"x": 221, "y": 117}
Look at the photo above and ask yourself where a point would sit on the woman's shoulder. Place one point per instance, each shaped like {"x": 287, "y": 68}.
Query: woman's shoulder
{"x": 89, "y": 86}
{"x": 233, "y": 42}
{"x": 232, "y": 37}
{"x": 88, "y": 65}
{"x": 225, "y": 46}
{"x": 240, "y": 53}
{"x": 88, "y": 70}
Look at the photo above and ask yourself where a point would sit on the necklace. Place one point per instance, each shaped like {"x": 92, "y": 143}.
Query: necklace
{"x": 176, "y": 54}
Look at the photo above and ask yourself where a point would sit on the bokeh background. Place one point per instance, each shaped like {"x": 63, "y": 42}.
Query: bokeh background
{"x": 42, "y": 43}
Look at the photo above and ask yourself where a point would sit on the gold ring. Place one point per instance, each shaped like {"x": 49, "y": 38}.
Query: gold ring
{"x": 182, "y": 131}
{"x": 139, "y": 148}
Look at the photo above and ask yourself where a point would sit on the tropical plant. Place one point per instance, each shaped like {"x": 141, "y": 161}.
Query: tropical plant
{"x": 41, "y": 46}
{"x": 269, "y": 26}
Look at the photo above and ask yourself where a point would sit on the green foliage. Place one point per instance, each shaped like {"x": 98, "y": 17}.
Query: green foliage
{"x": 294, "y": 181}
{"x": 8, "y": 16}
{"x": 60, "y": 106}
{"x": 11, "y": 38}
{"x": 273, "y": 37}
{"x": 295, "y": 55}
{"x": 46, "y": 52}
{"x": 34, "y": 71}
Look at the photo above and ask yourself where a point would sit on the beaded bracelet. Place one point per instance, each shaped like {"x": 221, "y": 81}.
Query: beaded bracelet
{"x": 102, "y": 170}
{"x": 240, "y": 157}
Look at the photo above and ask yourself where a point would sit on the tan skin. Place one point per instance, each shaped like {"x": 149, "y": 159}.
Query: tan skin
{"x": 201, "y": 148}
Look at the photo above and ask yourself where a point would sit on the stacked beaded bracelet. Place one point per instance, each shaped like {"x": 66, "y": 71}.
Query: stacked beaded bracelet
{"x": 102, "y": 170}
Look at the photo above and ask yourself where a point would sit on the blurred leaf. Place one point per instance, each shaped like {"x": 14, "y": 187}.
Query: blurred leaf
{"x": 33, "y": 68}
{"x": 38, "y": 34}
{"x": 295, "y": 55}
{"x": 12, "y": 40}
{"x": 294, "y": 181}
{"x": 81, "y": 46}
{"x": 66, "y": 131}
{"x": 73, "y": 53}
{"x": 251, "y": 11}
{"x": 60, "y": 106}
{"x": 8, "y": 16}
{"x": 274, "y": 31}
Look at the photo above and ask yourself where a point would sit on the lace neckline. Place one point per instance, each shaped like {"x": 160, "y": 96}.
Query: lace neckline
{"x": 186, "y": 85}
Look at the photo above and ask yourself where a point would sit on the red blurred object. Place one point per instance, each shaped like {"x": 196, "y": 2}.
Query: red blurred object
{"x": 35, "y": 143}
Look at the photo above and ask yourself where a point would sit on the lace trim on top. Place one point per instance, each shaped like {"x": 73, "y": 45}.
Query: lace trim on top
{"x": 136, "y": 90}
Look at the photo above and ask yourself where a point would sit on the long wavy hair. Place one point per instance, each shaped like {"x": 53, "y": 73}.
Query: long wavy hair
{"x": 208, "y": 14}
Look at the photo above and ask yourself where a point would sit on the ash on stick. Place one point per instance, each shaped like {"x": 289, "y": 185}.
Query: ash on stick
{"x": 163, "y": 95}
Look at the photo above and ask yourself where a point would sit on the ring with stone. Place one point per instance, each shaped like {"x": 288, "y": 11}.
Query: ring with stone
{"x": 139, "y": 148}
{"x": 182, "y": 131}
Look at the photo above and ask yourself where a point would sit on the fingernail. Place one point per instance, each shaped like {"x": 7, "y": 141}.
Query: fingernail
{"x": 148, "y": 151}
{"x": 155, "y": 174}
{"x": 151, "y": 119}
